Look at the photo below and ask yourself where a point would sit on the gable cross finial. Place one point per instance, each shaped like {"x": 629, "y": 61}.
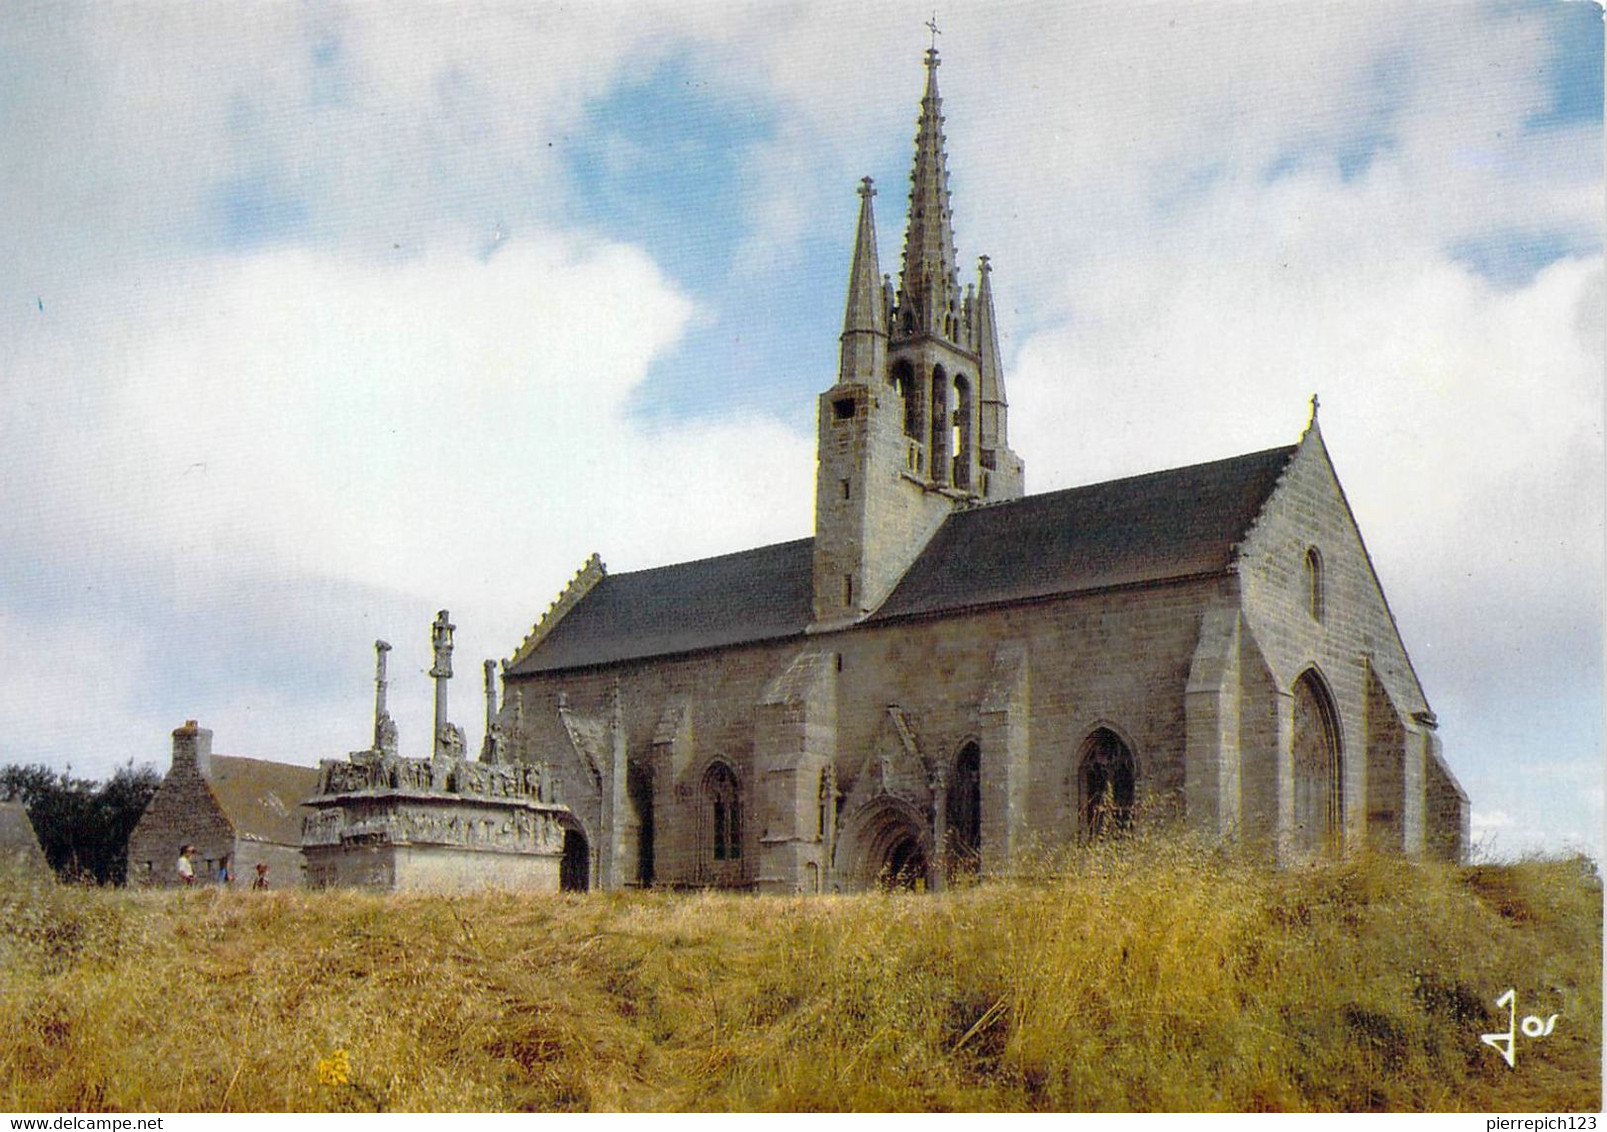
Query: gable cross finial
{"x": 1314, "y": 405}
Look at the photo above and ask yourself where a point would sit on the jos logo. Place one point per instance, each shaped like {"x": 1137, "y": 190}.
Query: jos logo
{"x": 1505, "y": 1042}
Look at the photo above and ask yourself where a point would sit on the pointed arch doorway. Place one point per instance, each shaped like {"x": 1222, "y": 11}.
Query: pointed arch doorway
{"x": 889, "y": 845}
{"x": 574, "y": 868}
{"x": 1319, "y": 781}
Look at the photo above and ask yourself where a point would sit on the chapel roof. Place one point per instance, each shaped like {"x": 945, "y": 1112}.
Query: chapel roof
{"x": 733, "y": 599}
{"x": 1179, "y": 523}
{"x": 1150, "y": 528}
{"x": 261, "y": 799}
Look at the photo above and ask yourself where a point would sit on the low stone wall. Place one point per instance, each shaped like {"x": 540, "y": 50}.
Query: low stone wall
{"x": 430, "y": 868}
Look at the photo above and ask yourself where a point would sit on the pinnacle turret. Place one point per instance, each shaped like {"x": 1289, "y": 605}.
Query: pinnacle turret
{"x": 990, "y": 369}
{"x": 865, "y": 319}
{"x": 929, "y": 287}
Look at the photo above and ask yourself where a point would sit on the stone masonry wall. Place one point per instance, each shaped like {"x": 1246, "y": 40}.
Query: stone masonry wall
{"x": 287, "y": 868}
{"x": 1354, "y": 642}
{"x": 183, "y": 811}
{"x": 1119, "y": 659}
{"x": 871, "y": 518}
{"x": 1447, "y": 814}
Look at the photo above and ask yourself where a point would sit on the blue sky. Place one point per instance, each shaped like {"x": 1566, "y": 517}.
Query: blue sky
{"x": 319, "y": 318}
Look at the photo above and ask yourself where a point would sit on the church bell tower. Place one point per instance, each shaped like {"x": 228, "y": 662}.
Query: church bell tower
{"x": 916, "y": 424}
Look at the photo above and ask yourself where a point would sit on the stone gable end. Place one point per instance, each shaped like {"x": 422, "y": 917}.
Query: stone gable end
{"x": 183, "y": 811}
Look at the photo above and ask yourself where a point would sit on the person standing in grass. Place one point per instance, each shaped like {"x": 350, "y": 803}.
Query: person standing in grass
{"x": 262, "y": 876}
{"x": 186, "y": 870}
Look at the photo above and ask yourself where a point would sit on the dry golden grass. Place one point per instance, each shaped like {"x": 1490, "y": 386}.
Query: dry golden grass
{"x": 1144, "y": 975}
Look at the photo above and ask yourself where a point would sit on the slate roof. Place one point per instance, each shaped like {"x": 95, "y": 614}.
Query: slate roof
{"x": 733, "y": 599}
{"x": 262, "y": 799}
{"x": 1150, "y": 528}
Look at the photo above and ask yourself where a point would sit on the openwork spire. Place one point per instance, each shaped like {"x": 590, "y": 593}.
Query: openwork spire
{"x": 929, "y": 288}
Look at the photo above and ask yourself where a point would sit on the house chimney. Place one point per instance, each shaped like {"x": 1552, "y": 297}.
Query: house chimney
{"x": 192, "y": 749}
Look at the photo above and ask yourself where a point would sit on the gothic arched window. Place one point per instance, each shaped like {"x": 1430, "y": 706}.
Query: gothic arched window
{"x": 965, "y": 811}
{"x": 723, "y": 804}
{"x": 1312, "y": 575}
{"x": 1106, "y": 777}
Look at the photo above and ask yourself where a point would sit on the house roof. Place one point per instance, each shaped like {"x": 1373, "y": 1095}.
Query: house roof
{"x": 262, "y": 799}
{"x": 17, "y": 836}
{"x": 1150, "y": 528}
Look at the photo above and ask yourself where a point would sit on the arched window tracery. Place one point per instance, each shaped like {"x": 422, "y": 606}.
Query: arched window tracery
{"x": 722, "y": 801}
{"x": 1107, "y": 778}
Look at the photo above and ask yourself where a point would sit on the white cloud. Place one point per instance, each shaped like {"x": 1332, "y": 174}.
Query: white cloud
{"x": 1483, "y": 821}
{"x": 447, "y": 429}
{"x": 373, "y": 128}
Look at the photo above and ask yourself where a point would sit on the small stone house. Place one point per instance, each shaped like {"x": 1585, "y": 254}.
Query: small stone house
{"x": 19, "y": 845}
{"x": 233, "y": 810}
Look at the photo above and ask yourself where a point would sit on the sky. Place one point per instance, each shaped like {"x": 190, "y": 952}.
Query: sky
{"x": 318, "y": 318}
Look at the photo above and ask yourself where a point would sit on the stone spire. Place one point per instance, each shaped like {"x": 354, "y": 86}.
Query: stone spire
{"x": 929, "y": 287}
{"x": 864, "y": 341}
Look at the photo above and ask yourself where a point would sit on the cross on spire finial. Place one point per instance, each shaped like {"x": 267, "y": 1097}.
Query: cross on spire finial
{"x": 932, "y": 25}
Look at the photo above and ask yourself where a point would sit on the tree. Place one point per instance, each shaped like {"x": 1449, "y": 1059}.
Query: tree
{"x": 83, "y": 826}
{"x": 119, "y": 804}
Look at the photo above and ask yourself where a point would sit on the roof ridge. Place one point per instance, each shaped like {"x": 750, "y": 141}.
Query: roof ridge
{"x": 988, "y": 504}
{"x": 1160, "y": 525}
{"x": 712, "y": 557}
{"x": 265, "y": 762}
{"x": 1178, "y": 468}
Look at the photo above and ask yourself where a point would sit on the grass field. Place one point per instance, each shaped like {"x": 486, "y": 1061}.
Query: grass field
{"x": 1146, "y": 976}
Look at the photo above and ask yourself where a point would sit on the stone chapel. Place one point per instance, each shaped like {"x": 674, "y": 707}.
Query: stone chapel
{"x": 953, "y": 676}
